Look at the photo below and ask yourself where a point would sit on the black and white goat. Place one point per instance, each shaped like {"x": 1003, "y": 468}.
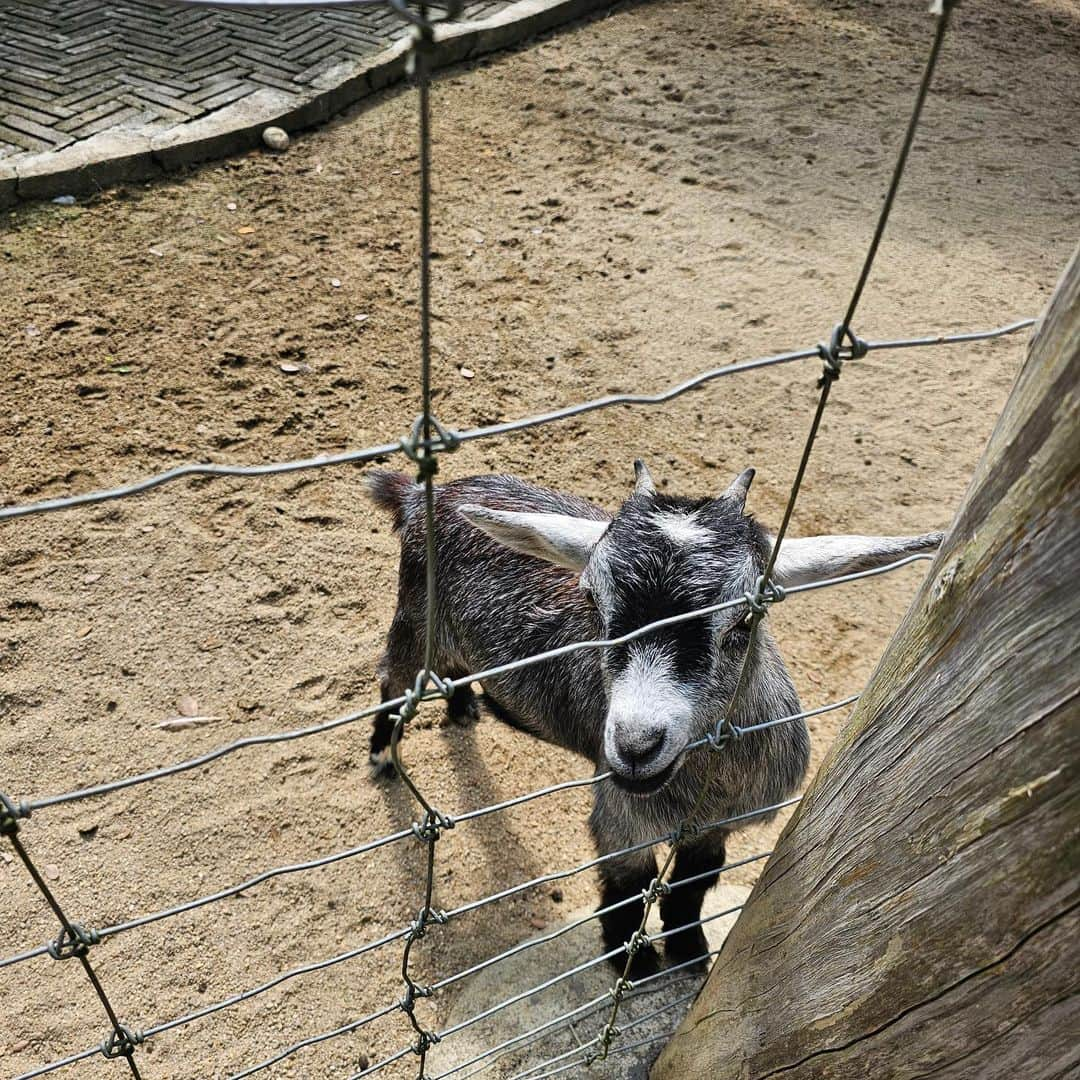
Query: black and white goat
{"x": 523, "y": 569}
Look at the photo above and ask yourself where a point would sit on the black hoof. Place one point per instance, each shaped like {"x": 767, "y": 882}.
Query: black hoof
{"x": 688, "y": 945}
{"x": 382, "y": 765}
{"x": 463, "y": 708}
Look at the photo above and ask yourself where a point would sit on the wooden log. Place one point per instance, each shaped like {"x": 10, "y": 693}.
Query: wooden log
{"x": 919, "y": 917}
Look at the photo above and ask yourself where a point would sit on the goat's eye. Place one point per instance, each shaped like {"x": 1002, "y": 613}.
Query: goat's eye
{"x": 737, "y": 637}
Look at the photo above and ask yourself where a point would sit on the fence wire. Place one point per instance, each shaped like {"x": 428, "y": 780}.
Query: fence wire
{"x": 426, "y": 441}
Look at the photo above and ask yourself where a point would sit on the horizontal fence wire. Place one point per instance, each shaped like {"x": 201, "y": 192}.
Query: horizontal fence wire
{"x": 398, "y": 935}
{"x": 327, "y": 860}
{"x": 487, "y": 1059}
{"x": 526, "y": 1074}
{"x": 372, "y": 453}
{"x": 547, "y": 984}
{"x": 27, "y": 806}
{"x": 644, "y": 987}
{"x": 623, "y": 1048}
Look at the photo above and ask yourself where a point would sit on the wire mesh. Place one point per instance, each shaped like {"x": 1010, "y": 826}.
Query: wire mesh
{"x": 427, "y": 440}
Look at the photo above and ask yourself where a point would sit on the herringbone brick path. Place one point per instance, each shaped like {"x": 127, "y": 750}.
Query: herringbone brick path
{"x": 72, "y": 68}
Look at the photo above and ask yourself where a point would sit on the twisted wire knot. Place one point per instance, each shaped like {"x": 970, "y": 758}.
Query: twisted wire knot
{"x": 656, "y": 889}
{"x": 412, "y": 993}
{"x": 422, "y": 452}
{"x": 424, "y": 918}
{"x": 424, "y": 679}
{"x": 122, "y": 1042}
{"x": 639, "y": 939}
{"x": 429, "y": 828}
{"x": 763, "y": 595}
{"x": 426, "y": 1040}
{"x": 74, "y": 940}
{"x": 10, "y": 814}
{"x": 836, "y": 352}
{"x": 723, "y": 733}
{"x": 683, "y": 831}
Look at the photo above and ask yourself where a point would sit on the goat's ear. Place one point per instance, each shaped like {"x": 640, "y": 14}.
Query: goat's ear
{"x": 813, "y": 558}
{"x": 558, "y": 538}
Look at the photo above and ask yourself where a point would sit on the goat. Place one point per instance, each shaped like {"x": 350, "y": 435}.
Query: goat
{"x": 523, "y": 569}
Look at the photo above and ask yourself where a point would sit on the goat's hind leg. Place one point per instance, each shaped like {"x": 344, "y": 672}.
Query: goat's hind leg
{"x": 463, "y": 707}
{"x": 397, "y": 670}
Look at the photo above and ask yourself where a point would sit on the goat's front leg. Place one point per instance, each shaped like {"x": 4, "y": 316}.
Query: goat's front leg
{"x": 682, "y": 905}
{"x": 622, "y": 882}
{"x": 397, "y": 671}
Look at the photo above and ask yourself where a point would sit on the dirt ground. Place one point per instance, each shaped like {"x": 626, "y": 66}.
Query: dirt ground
{"x": 669, "y": 188}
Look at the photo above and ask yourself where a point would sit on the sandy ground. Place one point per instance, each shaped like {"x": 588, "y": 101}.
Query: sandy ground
{"x": 670, "y": 188}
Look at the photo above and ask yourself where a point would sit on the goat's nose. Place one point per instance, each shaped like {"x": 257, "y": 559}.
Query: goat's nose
{"x": 641, "y": 742}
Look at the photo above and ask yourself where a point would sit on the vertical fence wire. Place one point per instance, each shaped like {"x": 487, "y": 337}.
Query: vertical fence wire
{"x": 766, "y": 591}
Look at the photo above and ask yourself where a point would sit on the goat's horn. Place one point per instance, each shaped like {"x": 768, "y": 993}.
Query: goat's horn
{"x": 644, "y": 485}
{"x": 739, "y": 488}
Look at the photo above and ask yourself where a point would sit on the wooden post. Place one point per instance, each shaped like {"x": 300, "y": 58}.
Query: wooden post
{"x": 919, "y": 917}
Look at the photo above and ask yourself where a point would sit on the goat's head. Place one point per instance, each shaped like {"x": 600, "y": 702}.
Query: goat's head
{"x": 662, "y": 556}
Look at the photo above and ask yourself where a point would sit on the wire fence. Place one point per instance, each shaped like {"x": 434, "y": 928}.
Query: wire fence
{"x": 428, "y": 439}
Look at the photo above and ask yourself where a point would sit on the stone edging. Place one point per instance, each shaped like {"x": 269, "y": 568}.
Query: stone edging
{"x": 117, "y": 157}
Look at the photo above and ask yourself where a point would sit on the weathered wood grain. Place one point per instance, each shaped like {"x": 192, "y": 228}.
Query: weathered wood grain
{"x": 920, "y": 914}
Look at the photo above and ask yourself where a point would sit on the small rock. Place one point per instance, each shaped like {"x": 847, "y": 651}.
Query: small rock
{"x": 22, "y": 1044}
{"x": 230, "y": 206}
{"x": 52, "y": 871}
{"x": 156, "y": 251}
{"x": 64, "y": 200}
{"x": 89, "y": 579}
{"x": 362, "y": 1062}
{"x": 83, "y": 631}
{"x": 276, "y": 138}
{"x": 335, "y": 282}
{"x": 291, "y": 369}
{"x": 87, "y": 829}
{"x": 187, "y": 706}
{"x": 361, "y": 318}
{"x": 537, "y": 923}
{"x": 466, "y": 373}
{"x": 556, "y": 895}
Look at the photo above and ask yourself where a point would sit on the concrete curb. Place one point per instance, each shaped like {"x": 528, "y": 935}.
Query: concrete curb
{"x": 116, "y": 157}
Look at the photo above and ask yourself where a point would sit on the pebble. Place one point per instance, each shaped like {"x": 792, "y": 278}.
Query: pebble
{"x": 52, "y": 871}
{"x": 335, "y": 282}
{"x": 230, "y": 206}
{"x": 64, "y": 200}
{"x": 467, "y": 373}
{"x": 187, "y": 706}
{"x": 276, "y": 138}
{"x": 19, "y": 1046}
